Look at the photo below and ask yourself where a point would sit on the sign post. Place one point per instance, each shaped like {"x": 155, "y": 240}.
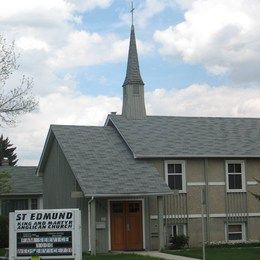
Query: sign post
{"x": 54, "y": 234}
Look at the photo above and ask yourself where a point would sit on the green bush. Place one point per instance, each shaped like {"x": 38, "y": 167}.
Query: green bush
{"x": 224, "y": 244}
{"x": 4, "y": 232}
{"x": 178, "y": 242}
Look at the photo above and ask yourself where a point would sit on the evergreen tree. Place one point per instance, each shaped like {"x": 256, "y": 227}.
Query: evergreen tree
{"x": 7, "y": 151}
{"x": 5, "y": 182}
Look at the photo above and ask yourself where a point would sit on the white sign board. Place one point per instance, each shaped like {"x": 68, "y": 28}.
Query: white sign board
{"x": 54, "y": 233}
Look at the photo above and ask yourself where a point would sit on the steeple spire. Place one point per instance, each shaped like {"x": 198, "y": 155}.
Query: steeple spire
{"x": 133, "y": 87}
{"x": 133, "y": 73}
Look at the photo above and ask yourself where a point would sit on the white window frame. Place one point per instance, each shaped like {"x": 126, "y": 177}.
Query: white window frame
{"x": 243, "y": 178}
{"x": 183, "y": 174}
{"x": 243, "y": 230}
{"x": 177, "y": 229}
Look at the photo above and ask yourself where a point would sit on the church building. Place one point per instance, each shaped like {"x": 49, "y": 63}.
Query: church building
{"x": 138, "y": 179}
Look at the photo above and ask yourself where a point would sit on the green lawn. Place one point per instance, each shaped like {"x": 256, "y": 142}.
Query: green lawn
{"x": 110, "y": 256}
{"x": 119, "y": 257}
{"x": 221, "y": 253}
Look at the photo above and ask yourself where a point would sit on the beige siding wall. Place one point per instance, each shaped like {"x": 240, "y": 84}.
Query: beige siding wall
{"x": 216, "y": 195}
{"x": 216, "y": 170}
{"x": 194, "y": 170}
{"x": 217, "y": 230}
{"x": 194, "y": 199}
{"x": 218, "y": 198}
{"x": 253, "y": 171}
{"x": 254, "y": 228}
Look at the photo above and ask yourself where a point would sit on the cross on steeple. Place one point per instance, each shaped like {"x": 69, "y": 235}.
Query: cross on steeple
{"x": 132, "y": 11}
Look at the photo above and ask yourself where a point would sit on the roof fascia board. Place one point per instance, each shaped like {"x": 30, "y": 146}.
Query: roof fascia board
{"x": 20, "y": 194}
{"x": 44, "y": 155}
{"x": 153, "y": 156}
{"x": 131, "y": 194}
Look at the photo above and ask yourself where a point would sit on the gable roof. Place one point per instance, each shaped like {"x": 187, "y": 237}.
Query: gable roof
{"x": 103, "y": 164}
{"x": 24, "y": 180}
{"x": 169, "y": 136}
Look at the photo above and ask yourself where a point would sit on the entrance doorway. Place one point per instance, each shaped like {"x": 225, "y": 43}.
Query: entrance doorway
{"x": 126, "y": 225}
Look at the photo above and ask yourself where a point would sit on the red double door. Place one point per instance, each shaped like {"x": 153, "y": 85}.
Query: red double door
{"x": 126, "y": 225}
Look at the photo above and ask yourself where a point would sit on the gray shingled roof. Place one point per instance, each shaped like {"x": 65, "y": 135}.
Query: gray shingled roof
{"x": 23, "y": 180}
{"x": 133, "y": 75}
{"x": 103, "y": 164}
{"x": 168, "y": 136}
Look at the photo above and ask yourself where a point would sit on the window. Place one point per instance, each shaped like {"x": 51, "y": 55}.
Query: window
{"x": 12, "y": 205}
{"x": 175, "y": 175}
{"x": 34, "y": 203}
{"x": 236, "y": 232}
{"x": 177, "y": 230}
{"x": 133, "y": 207}
{"x": 235, "y": 176}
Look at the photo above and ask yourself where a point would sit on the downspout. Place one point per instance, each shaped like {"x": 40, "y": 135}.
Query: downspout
{"x": 89, "y": 224}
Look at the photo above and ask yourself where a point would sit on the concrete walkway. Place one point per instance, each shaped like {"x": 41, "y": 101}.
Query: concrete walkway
{"x": 163, "y": 255}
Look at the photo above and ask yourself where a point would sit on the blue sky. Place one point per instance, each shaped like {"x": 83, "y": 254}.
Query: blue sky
{"x": 197, "y": 58}
{"x": 157, "y": 71}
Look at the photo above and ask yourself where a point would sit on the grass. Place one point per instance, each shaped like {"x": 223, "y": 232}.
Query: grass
{"x": 220, "y": 253}
{"x": 108, "y": 256}
{"x": 119, "y": 257}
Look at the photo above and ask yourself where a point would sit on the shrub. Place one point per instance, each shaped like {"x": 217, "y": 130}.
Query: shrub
{"x": 178, "y": 242}
{"x": 3, "y": 231}
{"x": 229, "y": 244}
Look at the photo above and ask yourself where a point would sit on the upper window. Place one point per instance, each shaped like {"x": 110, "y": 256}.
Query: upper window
{"x": 175, "y": 175}
{"x": 236, "y": 232}
{"x": 235, "y": 176}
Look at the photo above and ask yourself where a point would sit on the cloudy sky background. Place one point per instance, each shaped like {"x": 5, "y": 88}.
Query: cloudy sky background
{"x": 197, "y": 58}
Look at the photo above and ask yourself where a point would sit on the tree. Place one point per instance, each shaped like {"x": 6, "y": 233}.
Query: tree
{"x": 5, "y": 182}
{"x": 256, "y": 195}
{"x": 7, "y": 152}
{"x": 18, "y": 100}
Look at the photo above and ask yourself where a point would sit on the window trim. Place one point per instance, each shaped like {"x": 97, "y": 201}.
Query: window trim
{"x": 243, "y": 231}
{"x": 243, "y": 179}
{"x": 183, "y": 163}
{"x": 177, "y": 229}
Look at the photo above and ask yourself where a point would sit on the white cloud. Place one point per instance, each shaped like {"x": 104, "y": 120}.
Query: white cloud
{"x": 30, "y": 43}
{"x": 184, "y": 4}
{"x": 205, "y": 100}
{"x": 65, "y": 106}
{"x": 145, "y": 11}
{"x": 83, "y": 5}
{"x": 45, "y": 34}
{"x": 84, "y": 48}
{"x": 221, "y": 35}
